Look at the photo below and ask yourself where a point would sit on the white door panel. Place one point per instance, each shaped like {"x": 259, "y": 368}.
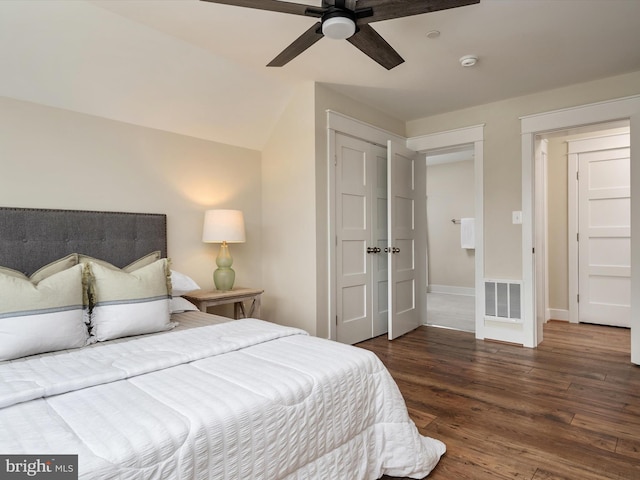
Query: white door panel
{"x": 405, "y": 201}
{"x": 353, "y": 271}
{"x": 370, "y": 298}
{"x": 361, "y": 283}
{"x": 379, "y": 259}
{"x": 604, "y": 237}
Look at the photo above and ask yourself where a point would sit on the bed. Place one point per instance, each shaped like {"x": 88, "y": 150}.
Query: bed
{"x": 202, "y": 397}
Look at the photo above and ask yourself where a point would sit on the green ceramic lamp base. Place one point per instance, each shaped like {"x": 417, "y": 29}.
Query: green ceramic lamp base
{"x": 224, "y": 276}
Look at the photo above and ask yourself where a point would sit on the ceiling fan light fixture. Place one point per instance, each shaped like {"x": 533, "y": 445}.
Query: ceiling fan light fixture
{"x": 338, "y": 28}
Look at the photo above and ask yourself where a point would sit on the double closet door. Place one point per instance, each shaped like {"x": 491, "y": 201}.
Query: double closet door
{"x": 378, "y": 245}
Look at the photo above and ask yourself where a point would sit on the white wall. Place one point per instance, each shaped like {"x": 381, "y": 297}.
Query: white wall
{"x": 289, "y": 216}
{"x": 54, "y": 158}
{"x": 85, "y": 57}
{"x": 450, "y": 195}
{"x": 503, "y": 157}
{"x": 294, "y": 205}
{"x": 557, "y": 233}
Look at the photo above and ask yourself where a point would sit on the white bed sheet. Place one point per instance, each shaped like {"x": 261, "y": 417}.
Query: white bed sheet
{"x": 240, "y": 400}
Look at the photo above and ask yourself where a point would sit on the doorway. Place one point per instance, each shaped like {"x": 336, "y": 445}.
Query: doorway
{"x": 582, "y": 224}
{"x": 450, "y": 238}
{"x": 449, "y": 141}
{"x": 536, "y": 124}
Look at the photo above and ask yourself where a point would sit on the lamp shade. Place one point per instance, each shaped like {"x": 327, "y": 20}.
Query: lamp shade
{"x": 223, "y": 226}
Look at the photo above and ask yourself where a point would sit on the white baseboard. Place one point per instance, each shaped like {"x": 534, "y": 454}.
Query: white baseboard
{"x": 557, "y": 314}
{"x": 451, "y": 290}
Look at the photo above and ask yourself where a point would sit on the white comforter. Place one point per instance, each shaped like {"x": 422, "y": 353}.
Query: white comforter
{"x": 239, "y": 400}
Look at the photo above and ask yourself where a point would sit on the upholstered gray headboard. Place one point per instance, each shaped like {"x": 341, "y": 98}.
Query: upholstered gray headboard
{"x": 31, "y": 238}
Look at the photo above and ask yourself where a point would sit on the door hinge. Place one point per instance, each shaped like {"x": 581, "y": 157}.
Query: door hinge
{"x": 578, "y": 298}
{"x": 577, "y": 175}
{"x": 533, "y": 250}
{"x": 335, "y": 160}
{"x": 577, "y": 237}
{"x": 336, "y": 319}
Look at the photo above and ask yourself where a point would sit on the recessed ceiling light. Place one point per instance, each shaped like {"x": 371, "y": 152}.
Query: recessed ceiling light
{"x": 433, "y": 34}
{"x": 468, "y": 60}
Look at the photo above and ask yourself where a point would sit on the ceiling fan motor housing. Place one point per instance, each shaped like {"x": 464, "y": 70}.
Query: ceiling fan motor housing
{"x": 338, "y": 24}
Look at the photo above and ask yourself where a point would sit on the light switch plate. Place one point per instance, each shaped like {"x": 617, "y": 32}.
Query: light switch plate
{"x": 516, "y": 218}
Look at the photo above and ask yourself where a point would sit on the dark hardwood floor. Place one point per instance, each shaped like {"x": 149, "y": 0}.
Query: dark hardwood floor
{"x": 568, "y": 410}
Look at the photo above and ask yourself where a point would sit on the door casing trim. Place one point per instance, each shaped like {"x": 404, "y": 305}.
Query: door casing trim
{"x": 563, "y": 119}
{"x": 473, "y": 135}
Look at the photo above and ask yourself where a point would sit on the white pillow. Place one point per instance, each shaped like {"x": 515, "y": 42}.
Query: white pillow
{"x": 179, "y": 305}
{"x": 181, "y": 284}
{"x": 129, "y": 303}
{"x": 42, "y": 317}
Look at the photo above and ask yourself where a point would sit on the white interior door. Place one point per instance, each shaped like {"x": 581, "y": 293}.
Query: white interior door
{"x": 541, "y": 228}
{"x": 380, "y": 269}
{"x": 353, "y": 282}
{"x": 361, "y": 279}
{"x": 406, "y": 204}
{"x": 604, "y": 235}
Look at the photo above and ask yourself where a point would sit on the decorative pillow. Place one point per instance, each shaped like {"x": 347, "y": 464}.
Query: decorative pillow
{"x": 13, "y": 273}
{"x": 135, "y": 265}
{"x": 43, "y": 317}
{"x": 179, "y": 305}
{"x": 46, "y": 271}
{"x": 181, "y": 284}
{"x": 54, "y": 267}
{"x": 126, "y": 303}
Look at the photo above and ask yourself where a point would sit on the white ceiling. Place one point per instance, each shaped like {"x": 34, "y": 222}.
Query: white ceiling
{"x": 197, "y": 68}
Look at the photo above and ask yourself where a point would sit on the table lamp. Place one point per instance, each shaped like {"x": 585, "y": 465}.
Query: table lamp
{"x": 223, "y": 226}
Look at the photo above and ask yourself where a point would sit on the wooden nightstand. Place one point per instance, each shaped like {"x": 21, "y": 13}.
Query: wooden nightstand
{"x": 209, "y": 298}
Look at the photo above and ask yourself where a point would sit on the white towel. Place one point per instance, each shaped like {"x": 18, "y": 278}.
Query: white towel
{"x": 467, "y": 233}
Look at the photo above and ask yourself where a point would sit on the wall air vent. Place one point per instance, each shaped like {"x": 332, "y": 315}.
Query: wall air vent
{"x": 503, "y": 300}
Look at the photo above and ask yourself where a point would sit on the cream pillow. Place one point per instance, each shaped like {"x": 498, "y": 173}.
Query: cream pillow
{"x": 46, "y": 271}
{"x": 42, "y": 317}
{"x": 13, "y": 273}
{"x": 54, "y": 267}
{"x": 141, "y": 262}
{"x": 129, "y": 303}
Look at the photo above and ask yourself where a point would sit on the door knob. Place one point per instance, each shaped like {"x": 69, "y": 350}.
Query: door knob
{"x": 370, "y": 249}
{"x": 376, "y": 250}
{"x": 395, "y": 250}
{"x": 387, "y": 249}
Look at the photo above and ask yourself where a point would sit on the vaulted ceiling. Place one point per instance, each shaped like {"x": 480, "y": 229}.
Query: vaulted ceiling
{"x": 198, "y": 68}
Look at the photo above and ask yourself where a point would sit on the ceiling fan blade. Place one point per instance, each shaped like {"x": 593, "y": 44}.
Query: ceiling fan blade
{"x": 371, "y": 43}
{"x": 269, "y": 5}
{"x": 388, "y": 9}
{"x": 298, "y": 46}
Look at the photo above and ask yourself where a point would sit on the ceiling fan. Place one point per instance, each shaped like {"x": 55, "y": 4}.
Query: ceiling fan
{"x": 348, "y": 19}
